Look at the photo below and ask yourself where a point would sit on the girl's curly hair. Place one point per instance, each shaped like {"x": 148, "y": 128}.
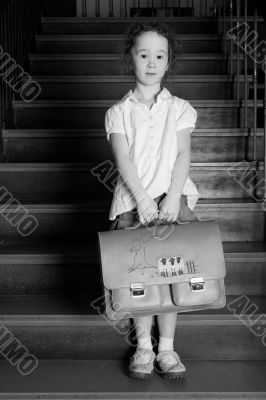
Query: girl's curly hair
{"x": 137, "y": 29}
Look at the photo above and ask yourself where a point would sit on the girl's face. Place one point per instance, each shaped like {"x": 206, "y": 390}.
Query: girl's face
{"x": 150, "y": 58}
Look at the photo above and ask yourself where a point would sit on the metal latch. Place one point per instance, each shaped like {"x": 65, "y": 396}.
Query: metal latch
{"x": 137, "y": 289}
{"x": 197, "y": 284}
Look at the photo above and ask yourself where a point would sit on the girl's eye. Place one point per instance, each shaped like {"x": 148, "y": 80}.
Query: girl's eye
{"x": 160, "y": 57}
{"x": 143, "y": 55}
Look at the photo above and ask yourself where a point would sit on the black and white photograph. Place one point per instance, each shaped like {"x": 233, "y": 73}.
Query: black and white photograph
{"x": 132, "y": 200}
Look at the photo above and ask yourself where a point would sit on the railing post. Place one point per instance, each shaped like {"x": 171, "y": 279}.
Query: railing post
{"x": 219, "y": 17}
{"x": 152, "y": 8}
{"x": 84, "y": 8}
{"x": 97, "y": 8}
{"x": 264, "y": 110}
{"x": 125, "y": 12}
{"x": 167, "y": 13}
{"x": 231, "y": 39}
{"x": 224, "y": 28}
{"x": 111, "y": 8}
{"x": 238, "y": 50}
{"x": 245, "y": 68}
{"x": 255, "y": 85}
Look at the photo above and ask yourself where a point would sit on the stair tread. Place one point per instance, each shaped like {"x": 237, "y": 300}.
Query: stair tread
{"x": 62, "y": 37}
{"x": 78, "y": 166}
{"x": 100, "y": 204}
{"x": 109, "y": 103}
{"x": 55, "y": 251}
{"x": 103, "y": 20}
{"x": 75, "y": 308}
{"x": 108, "y": 379}
{"x": 111, "y": 56}
{"x": 130, "y": 78}
{"x": 101, "y": 132}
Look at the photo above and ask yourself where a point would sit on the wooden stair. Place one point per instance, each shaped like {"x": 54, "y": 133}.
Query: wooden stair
{"x": 50, "y": 281}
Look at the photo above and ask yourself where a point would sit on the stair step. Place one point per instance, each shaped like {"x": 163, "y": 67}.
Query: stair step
{"x": 51, "y": 182}
{"x": 49, "y": 269}
{"x": 108, "y": 379}
{"x": 120, "y": 25}
{"x": 91, "y": 113}
{"x": 75, "y": 25}
{"x": 78, "y": 145}
{"x": 68, "y": 222}
{"x": 84, "y": 253}
{"x": 79, "y": 307}
{"x": 96, "y": 87}
{"x": 220, "y": 336}
{"x": 114, "y": 43}
{"x": 111, "y": 64}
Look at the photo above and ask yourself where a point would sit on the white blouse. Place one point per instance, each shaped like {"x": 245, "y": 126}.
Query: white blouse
{"x": 152, "y": 136}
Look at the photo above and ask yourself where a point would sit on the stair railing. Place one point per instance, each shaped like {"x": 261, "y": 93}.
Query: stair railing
{"x": 164, "y": 4}
{"x": 244, "y": 58}
{"x": 264, "y": 111}
{"x": 18, "y": 24}
{"x": 255, "y": 73}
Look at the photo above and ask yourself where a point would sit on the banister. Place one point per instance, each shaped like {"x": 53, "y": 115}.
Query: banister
{"x": 245, "y": 68}
{"x": 264, "y": 112}
{"x": 238, "y": 51}
{"x": 18, "y": 24}
{"x": 255, "y": 72}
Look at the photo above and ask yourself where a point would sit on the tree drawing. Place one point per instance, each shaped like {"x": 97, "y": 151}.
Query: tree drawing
{"x": 139, "y": 250}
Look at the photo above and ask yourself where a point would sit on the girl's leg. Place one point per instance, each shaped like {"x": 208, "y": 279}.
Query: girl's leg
{"x": 169, "y": 361}
{"x": 142, "y": 363}
{"x": 166, "y": 325}
{"x": 143, "y": 331}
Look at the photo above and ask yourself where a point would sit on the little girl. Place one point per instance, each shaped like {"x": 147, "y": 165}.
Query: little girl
{"x": 149, "y": 131}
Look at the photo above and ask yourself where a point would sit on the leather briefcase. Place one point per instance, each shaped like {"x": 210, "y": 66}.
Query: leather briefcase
{"x": 162, "y": 268}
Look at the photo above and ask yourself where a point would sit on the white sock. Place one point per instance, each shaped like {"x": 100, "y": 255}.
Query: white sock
{"x": 145, "y": 342}
{"x": 165, "y": 343}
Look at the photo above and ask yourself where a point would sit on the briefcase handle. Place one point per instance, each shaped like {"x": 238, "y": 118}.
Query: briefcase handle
{"x": 158, "y": 221}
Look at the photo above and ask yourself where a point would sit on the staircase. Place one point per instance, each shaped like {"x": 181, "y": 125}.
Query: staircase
{"x": 49, "y": 278}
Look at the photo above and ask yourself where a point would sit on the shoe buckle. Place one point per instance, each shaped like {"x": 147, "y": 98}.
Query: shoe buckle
{"x": 137, "y": 289}
{"x": 197, "y": 284}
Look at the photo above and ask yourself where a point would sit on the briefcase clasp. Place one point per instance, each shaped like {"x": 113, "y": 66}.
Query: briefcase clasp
{"x": 137, "y": 289}
{"x": 197, "y": 284}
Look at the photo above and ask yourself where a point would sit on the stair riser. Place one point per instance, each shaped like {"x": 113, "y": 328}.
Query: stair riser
{"x": 118, "y": 28}
{"x": 195, "y": 342}
{"x": 117, "y": 67}
{"x": 116, "y": 46}
{"x": 33, "y": 278}
{"x": 78, "y": 186}
{"x": 116, "y": 90}
{"x": 83, "y": 225}
{"x": 93, "y": 117}
{"x": 82, "y": 149}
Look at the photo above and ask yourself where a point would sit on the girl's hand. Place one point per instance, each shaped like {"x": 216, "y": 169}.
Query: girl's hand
{"x": 147, "y": 210}
{"x": 169, "y": 208}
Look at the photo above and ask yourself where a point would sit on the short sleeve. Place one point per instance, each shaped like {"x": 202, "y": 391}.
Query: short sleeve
{"x": 114, "y": 121}
{"x": 187, "y": 117}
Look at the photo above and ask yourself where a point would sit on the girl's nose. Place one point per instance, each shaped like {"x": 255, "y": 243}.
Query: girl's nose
{"x": 151, "y": 63}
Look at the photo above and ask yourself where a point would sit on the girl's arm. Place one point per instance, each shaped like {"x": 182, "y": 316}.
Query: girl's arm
{"x": 170, "y": 204}
{"x": 147, "y": 208}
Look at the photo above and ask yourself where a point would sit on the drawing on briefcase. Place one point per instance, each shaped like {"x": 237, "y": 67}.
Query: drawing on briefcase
{"x": 166, "y": 267}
